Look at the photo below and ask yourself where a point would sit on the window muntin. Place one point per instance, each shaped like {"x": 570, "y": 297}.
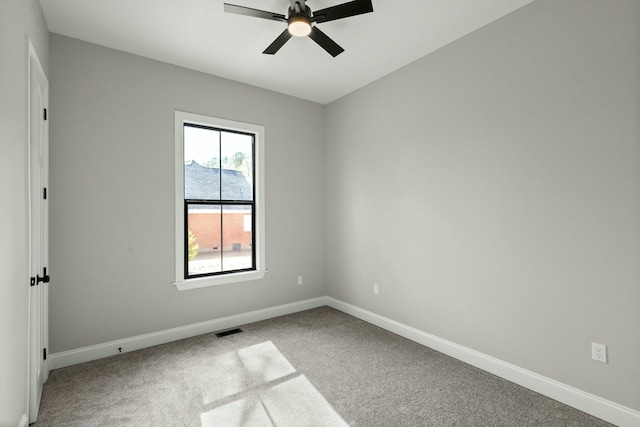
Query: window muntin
{"x": 227, "y": 156}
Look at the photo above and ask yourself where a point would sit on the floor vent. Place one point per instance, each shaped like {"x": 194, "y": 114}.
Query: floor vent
{"x": 229, "y": 332}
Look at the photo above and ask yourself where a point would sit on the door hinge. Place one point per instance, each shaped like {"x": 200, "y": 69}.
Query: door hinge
{"x": 44, "y": 354}
{"x": 45, "y": 114}
{"x": 45, "y": 193}
{"x": 33, "y": 281}
{"x": 45, "y": 277}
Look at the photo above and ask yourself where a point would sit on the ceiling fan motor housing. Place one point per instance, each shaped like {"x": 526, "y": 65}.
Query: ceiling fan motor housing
{"x": 299, "y": 21}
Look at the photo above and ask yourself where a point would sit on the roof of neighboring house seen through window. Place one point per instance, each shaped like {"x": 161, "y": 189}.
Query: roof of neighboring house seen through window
{"x": 203, "y": 183}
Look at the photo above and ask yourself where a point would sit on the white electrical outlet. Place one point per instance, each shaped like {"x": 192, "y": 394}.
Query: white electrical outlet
{"x": 599, "y": 352}
{"x": 300, "y": 280}
{"x": 375, "y": 289}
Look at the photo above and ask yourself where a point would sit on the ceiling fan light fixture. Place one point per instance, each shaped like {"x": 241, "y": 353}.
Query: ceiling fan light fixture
{"x": 299, "y": 25}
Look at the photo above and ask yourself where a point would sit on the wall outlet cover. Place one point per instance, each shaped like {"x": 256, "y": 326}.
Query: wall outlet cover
{"x": 599, "y": 352}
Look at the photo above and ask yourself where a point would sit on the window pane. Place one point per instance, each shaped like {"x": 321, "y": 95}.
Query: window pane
{"x": 204, "y": 243}
{"x": 237, "y": 241}
{"x": 201, "y": 163}
{"x": 237, "y": 166}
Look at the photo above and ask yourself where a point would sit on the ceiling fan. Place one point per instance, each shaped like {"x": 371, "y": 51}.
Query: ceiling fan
{"x": 300, "y": 19}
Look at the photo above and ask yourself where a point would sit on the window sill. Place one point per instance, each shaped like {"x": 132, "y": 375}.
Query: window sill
{"x": 204, "y": 282}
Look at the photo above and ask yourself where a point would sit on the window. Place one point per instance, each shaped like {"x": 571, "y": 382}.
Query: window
{"x": 219, "y": 201}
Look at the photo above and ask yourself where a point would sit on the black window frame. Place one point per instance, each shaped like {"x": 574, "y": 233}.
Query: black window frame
{"x": 221, "y": 203}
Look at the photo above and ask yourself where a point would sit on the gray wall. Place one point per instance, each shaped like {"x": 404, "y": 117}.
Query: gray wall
{"x": 112, "y": 195}
{"x": 18, "y": 19}
{"x": 492, "y": 190}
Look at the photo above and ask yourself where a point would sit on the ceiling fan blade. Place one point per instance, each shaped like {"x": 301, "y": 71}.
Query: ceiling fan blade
{"x": 241, "y": 10}
{"x": 325, "y": 42}
{"x": 345, "y": 10}
{"x": 278, "y": 43}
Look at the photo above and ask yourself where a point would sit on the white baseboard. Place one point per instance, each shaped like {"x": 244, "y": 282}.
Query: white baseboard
{"x": 24, "y": 421}
{"x": 585, "y": 402}
{"x": 86, "y": 354}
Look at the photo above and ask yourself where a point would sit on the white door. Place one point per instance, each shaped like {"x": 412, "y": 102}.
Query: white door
{"x": 38, "y": 232}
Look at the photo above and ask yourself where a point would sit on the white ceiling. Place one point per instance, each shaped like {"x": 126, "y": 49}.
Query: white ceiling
{"x": 199, "y": 35}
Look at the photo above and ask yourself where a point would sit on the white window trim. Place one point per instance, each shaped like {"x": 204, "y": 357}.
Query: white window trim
{"x": 200, "y": 282}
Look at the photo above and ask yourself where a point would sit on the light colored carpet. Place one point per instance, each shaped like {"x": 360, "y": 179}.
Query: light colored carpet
{"x": 315, "y": 368}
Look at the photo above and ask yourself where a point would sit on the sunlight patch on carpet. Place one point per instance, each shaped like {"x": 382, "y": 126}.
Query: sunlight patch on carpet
{"x": 244, "y": 412}
{"x": 265, "y": 362}
{"x": 251, "y": 387}
{"x": 297, "y": 403}
{"x": 228, "y": 376}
